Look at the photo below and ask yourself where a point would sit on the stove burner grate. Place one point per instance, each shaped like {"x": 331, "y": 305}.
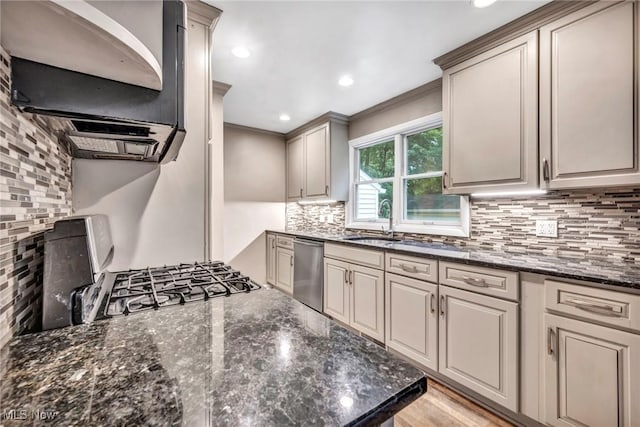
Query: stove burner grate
{"x": 153, "y": 288}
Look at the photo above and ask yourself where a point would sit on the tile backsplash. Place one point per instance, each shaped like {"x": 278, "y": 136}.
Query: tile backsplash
{"x": 602, "y": 224}
{"x": 35, "y": 191}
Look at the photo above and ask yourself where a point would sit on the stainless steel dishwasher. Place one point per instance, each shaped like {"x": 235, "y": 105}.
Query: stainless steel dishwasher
{"x": 308, "y": 272}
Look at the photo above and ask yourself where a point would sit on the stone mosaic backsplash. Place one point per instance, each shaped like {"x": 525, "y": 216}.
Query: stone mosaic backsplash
{"x": 35, "y": 191}
{"x": 601, "y": 224}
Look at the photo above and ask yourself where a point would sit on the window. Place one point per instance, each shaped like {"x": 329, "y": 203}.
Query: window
{"x": 405, "y": 161}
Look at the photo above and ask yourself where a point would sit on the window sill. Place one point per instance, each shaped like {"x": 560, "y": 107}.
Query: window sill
{"x": 436, "y": 230}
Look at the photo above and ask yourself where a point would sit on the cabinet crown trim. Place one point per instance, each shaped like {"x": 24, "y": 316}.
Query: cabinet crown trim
{"x": 518, "y": 27}
{"x": 326, "y": 117}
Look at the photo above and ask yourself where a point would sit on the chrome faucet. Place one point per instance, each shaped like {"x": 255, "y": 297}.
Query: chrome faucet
{"x": 388, "y": 203}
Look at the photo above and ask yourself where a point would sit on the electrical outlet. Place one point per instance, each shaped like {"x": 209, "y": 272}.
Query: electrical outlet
{"x": 321, "y": 218}
{"x": 330, "y": 218}
{"x": 546, "y": 228}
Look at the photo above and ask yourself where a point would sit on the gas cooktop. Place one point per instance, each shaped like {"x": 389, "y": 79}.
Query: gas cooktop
{"x": 153, "y": 288}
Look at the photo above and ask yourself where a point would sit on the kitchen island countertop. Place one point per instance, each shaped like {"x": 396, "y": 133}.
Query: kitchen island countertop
{"x": 260, "y": 358}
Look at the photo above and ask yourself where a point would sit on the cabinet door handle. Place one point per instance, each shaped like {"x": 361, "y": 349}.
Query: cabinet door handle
{"x": 551, "y": 341}
{"x": 444, "y": 180}
{"x": 545, "y": 169}
{"x": 604, "y": 309}
{"x": 432, "y": 303}
{"x": 301, "y": 192}
{"x": 480, "y": 283}
{"x": 350, "y": 277}
{"x": 441, "y": 305}
{"x": 326, "y": 190}
{"x": 291, "y": 262}
{"x": 345, "y": 277}
{"x": 409, "y": 268}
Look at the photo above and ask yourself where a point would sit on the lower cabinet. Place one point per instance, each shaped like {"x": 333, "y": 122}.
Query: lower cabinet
{"x": 284, "y": 269}
{"x": 592, "y": 374}
{"x": 478, "y": 344}
{"x": 354, "y": 295}
{"x": 271, "y": 259}
{"x": 411, "y": 318}
{"x": 336, "y": 289}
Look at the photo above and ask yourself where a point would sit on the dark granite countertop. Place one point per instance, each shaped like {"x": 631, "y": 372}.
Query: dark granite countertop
{"x": 249, "y": 359}
{"x": 621, "y": 274}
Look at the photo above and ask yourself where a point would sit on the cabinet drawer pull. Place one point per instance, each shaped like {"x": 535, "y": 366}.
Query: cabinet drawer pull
{"x": 551, "y": 341}
{"x": 545, "y": 169}
{"x": 604, "y": 309}
{"x": 480, "y": 283}
{"x": 441, "y": 305}
{"x": 432, "y": 303}
{"x": 409, "y": 268}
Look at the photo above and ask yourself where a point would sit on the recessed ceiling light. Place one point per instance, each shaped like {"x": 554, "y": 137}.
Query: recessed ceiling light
{"x": 241, "y": 52}
{"x": 345, "y": 81}
{"x": 482, "y": 3}
{"x": 285, "y": 117}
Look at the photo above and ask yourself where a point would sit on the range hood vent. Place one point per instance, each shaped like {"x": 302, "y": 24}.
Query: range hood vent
{"x": 110, "y": 128}
{"x": 104, "y": 118}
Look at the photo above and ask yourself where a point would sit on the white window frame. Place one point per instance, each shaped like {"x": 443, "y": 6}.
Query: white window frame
{"x": 398, "y": 134}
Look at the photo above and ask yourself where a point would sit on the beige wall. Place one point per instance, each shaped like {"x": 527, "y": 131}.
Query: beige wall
{"x": 419, "y": 102}
{"x": 254, "y": 188}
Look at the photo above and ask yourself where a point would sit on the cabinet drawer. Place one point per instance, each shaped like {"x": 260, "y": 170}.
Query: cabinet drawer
{"x": 364, "y": 257}
{"x": 488, "y": 281}
{"x": 419, "y": 268}
{"x": 604, "y": 306}
{"x": 285, "y": 242}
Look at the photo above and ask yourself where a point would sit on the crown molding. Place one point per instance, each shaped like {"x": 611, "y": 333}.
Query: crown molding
{"x": 253, "y": 130}
{"x": 203, "y": 13}
{"x": 220, "y": 88}
{"x": 326, "y": 117}
{"x": 420, "y": 91}
{"x": 520, "y": 26}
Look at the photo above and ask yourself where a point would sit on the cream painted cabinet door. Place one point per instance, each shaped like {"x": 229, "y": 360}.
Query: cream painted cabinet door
{"x": 589, "y": 99}
{"x": 284, "y": 269}
{"x": 367, "y": 301}
{"x": 271, "y": 259}
{"x": 592, "y": 375}
{"x": 411, "y": 318}
{"x": 316, "y": 155}
{"x": 336, "y": 289}
{"x": 490, "y": 120}
{"x": 295, "y": 167}
{"x": 478, "y": 344}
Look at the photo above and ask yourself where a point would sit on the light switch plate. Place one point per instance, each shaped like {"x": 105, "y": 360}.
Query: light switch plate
{"x": 546, "y": 228}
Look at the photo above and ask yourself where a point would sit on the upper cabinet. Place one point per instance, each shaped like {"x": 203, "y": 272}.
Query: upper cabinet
{"x": 99, "y": 39}
{"x": 490, "y": 121}
{"x": 317, "y": 160}
{"x": 577, "y": 128}
{"x": 588, "y": 98}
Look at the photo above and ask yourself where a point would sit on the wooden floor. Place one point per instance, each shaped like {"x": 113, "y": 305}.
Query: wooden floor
{"x": 440, "y": 406}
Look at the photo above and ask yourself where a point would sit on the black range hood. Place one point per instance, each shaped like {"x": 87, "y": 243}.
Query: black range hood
{"x": 106, "y": 119}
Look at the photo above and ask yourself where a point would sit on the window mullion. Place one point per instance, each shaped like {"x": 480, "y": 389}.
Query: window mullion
{"x": 398, "y": 190}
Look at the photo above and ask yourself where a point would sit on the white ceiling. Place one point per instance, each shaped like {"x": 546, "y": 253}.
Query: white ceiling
{"x": 299, "y": 50}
